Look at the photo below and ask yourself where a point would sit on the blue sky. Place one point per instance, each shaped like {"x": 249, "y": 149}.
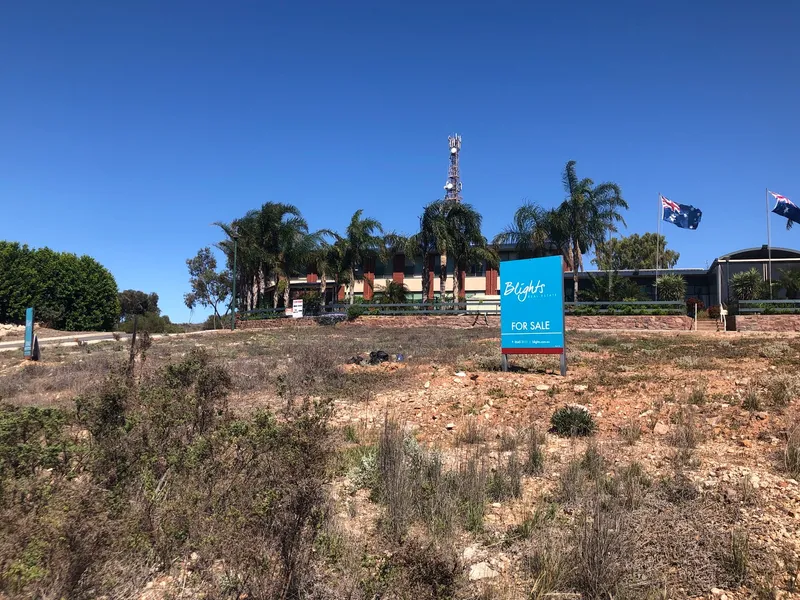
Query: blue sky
{"x": 126, "y": 128}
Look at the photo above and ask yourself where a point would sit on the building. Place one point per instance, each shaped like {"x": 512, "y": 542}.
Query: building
{"x": 710, "y": 285}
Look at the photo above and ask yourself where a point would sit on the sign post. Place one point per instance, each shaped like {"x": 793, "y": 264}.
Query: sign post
{"x": 532, "y": 308}
{"x": 31, "y": 347}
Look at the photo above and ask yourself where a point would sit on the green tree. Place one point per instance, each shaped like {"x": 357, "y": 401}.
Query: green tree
{"x": 363, "y": 241}
{"x": 530, "y": 233}
{"x": 135, "y": 302}
{"x": 634, "y": 252}
{"x": 582, "y": 221}
{"x": 68, "y": 292}
{"x": 209, "y": 287}
{"x": 612, "y": 288}
{"x": 671, "y": 287}
{"x": 749, "y": 285}
{"x": 790, "y": 282}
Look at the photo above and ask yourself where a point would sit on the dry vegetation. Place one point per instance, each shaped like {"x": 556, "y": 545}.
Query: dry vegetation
{"x": 267, "y": 465}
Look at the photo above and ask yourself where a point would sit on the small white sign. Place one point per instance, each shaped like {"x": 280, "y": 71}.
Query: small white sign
{"x": 297, "y": 308}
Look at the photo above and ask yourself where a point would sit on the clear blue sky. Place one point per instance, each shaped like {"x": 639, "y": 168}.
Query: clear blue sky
{"x": 126, "y": 128}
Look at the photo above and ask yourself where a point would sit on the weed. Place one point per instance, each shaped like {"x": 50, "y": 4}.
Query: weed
{"x": 508, "y": 440}
{"x": 698, "y": 395}
{"x": 751, "y": 401}
{"x": 571, "y": 482}
{"x": 748, "y": 491}
{"x": 738, "y": 560}
{"x": 572, "y": 420}
{"x": 792, "y": 453}
{"x": 630, "y": 432}
{"x": 472, "y": 476}
{"x": 534, "y": 459}
{"x": 506, "y": 480}
{"x": 685, "y": 437}
{"x": 548, "y": 564}
{"x": 593, "y": 461}
{"x": 633, "y": 483}
{"x": 602, "y": 552}
{"x": 350, "y": 434}
{"x": 694, "y": 362}
{"x": 395, "y": 478}
{"x": 473, "y": 432}
{"x": 496, "y": 393}
{"x": 774, "y": 350}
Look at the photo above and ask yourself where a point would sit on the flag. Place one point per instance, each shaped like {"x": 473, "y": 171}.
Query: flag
{"x": 786, "y": 208}
{"x": 684, "y": 216}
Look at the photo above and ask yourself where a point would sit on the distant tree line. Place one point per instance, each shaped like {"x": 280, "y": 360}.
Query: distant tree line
{"x": 67, "y": 291}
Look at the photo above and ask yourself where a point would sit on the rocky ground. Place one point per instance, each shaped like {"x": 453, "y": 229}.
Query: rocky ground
{"x": 703, "y": 419}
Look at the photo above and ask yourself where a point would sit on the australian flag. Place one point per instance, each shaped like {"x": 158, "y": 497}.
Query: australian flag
{"x": 786, "y": 208}
{"x": 682, "y": 215}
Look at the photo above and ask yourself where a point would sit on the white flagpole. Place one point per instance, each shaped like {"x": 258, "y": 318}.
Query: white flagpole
{"x": 658, "y": 244}
{"x": 769, "y": 244}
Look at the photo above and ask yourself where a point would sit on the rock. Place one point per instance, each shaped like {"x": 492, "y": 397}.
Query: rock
{"x": 580, "y": 388}
{"x": 762, "y": 415}
{"x": 747, "y": 443}
{"x": 496, "y": 505}
{"x": 542, "y": 387}
{"x": 481, "y": 570}
{"x": 661, "y": 428}
{"x": 450, "y": 426}
{"x": 717, "y": 593}
{"x": 427, "y": 385}
{"x": 461, "y": 374}
{"x": 469, "y": 553}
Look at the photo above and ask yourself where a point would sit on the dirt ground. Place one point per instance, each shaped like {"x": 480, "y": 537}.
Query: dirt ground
{"x": 735, "y": 395}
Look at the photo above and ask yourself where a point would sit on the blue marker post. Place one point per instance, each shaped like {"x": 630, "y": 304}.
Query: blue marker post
{"x": 532, "y": 308}
{"x": 31, "y": 348}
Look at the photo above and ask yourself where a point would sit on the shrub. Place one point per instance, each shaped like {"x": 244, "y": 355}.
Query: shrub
{"x": 355, "y": 310}
{"x": 473, "y": 432}
{"x": 572, "y": 420}
{"x": 783, "y": 388}
{"x": 751, "y": 402}
{"x": 690, "y": 306}
{"x": 713, "y": 312}
{"x": 506, "y": 480}
{"x": 671, "y": 287}
{"x": 312, "y": 303}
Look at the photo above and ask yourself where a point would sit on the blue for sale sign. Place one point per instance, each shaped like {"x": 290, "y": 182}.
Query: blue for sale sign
{"x": 532, "y": 306}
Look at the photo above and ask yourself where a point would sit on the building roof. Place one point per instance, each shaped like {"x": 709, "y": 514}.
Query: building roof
{"x": 760, "y": 253}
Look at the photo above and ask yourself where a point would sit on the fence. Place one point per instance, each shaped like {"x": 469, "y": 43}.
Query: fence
{"x": 768, "y": 307}
{"x": 482, "y": 307}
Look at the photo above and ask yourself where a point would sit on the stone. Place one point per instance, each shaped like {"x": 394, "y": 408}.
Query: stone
{"x": 450, "y": 426}
{"x": 661, "y": 428}
{"x": 481, "y": 570}
{"x": 747, "y": 443}
{"x": 427, "y": 385}
{"x": 461, "y": 374}
{"x": 542, "y": 387}
{"x": 580, "y": 388}
{"x": 469, "y": 553}
{"x": 762, "y": 416}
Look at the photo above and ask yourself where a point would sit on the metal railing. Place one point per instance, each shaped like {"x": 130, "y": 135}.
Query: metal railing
{"x": 768, "y": 307}
{"x": 477, "y": 308}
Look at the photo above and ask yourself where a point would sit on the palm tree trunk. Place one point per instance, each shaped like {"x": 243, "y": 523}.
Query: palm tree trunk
{"x": 286, "y": 293}
{"x": 575, "y": 251}
{"x": 426, "y": 273}
{"x": 323, "y": 285}
{"x": 456, "y": 282}
{"x": 351, "y": 287}
{"x": 442, "y": 275}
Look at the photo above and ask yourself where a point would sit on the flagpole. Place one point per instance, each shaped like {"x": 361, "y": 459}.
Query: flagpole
{"x": 769, "y": 243}
{"x": 658, "y": 244}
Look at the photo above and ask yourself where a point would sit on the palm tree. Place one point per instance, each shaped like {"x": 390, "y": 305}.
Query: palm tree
{"x": 790, "y": 281}
{"x": 584, "y": 218}
{"x": 466, "y": 242}
{"x": 273, "y": 240}
{"x": 531, "y": 231}
{"x": 361, "y": 243}
{"x": 672, "y": 287}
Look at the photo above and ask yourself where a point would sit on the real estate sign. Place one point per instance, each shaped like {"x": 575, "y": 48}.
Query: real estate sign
{"x": 532, "y": 306}
{"x": 297, "y": 308}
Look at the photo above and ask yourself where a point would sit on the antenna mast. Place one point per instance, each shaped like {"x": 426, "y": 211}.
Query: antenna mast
{"x": 453, "y": 186}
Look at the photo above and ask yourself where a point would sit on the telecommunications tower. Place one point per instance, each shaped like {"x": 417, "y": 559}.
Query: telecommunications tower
{"x": 452, "y": 189}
